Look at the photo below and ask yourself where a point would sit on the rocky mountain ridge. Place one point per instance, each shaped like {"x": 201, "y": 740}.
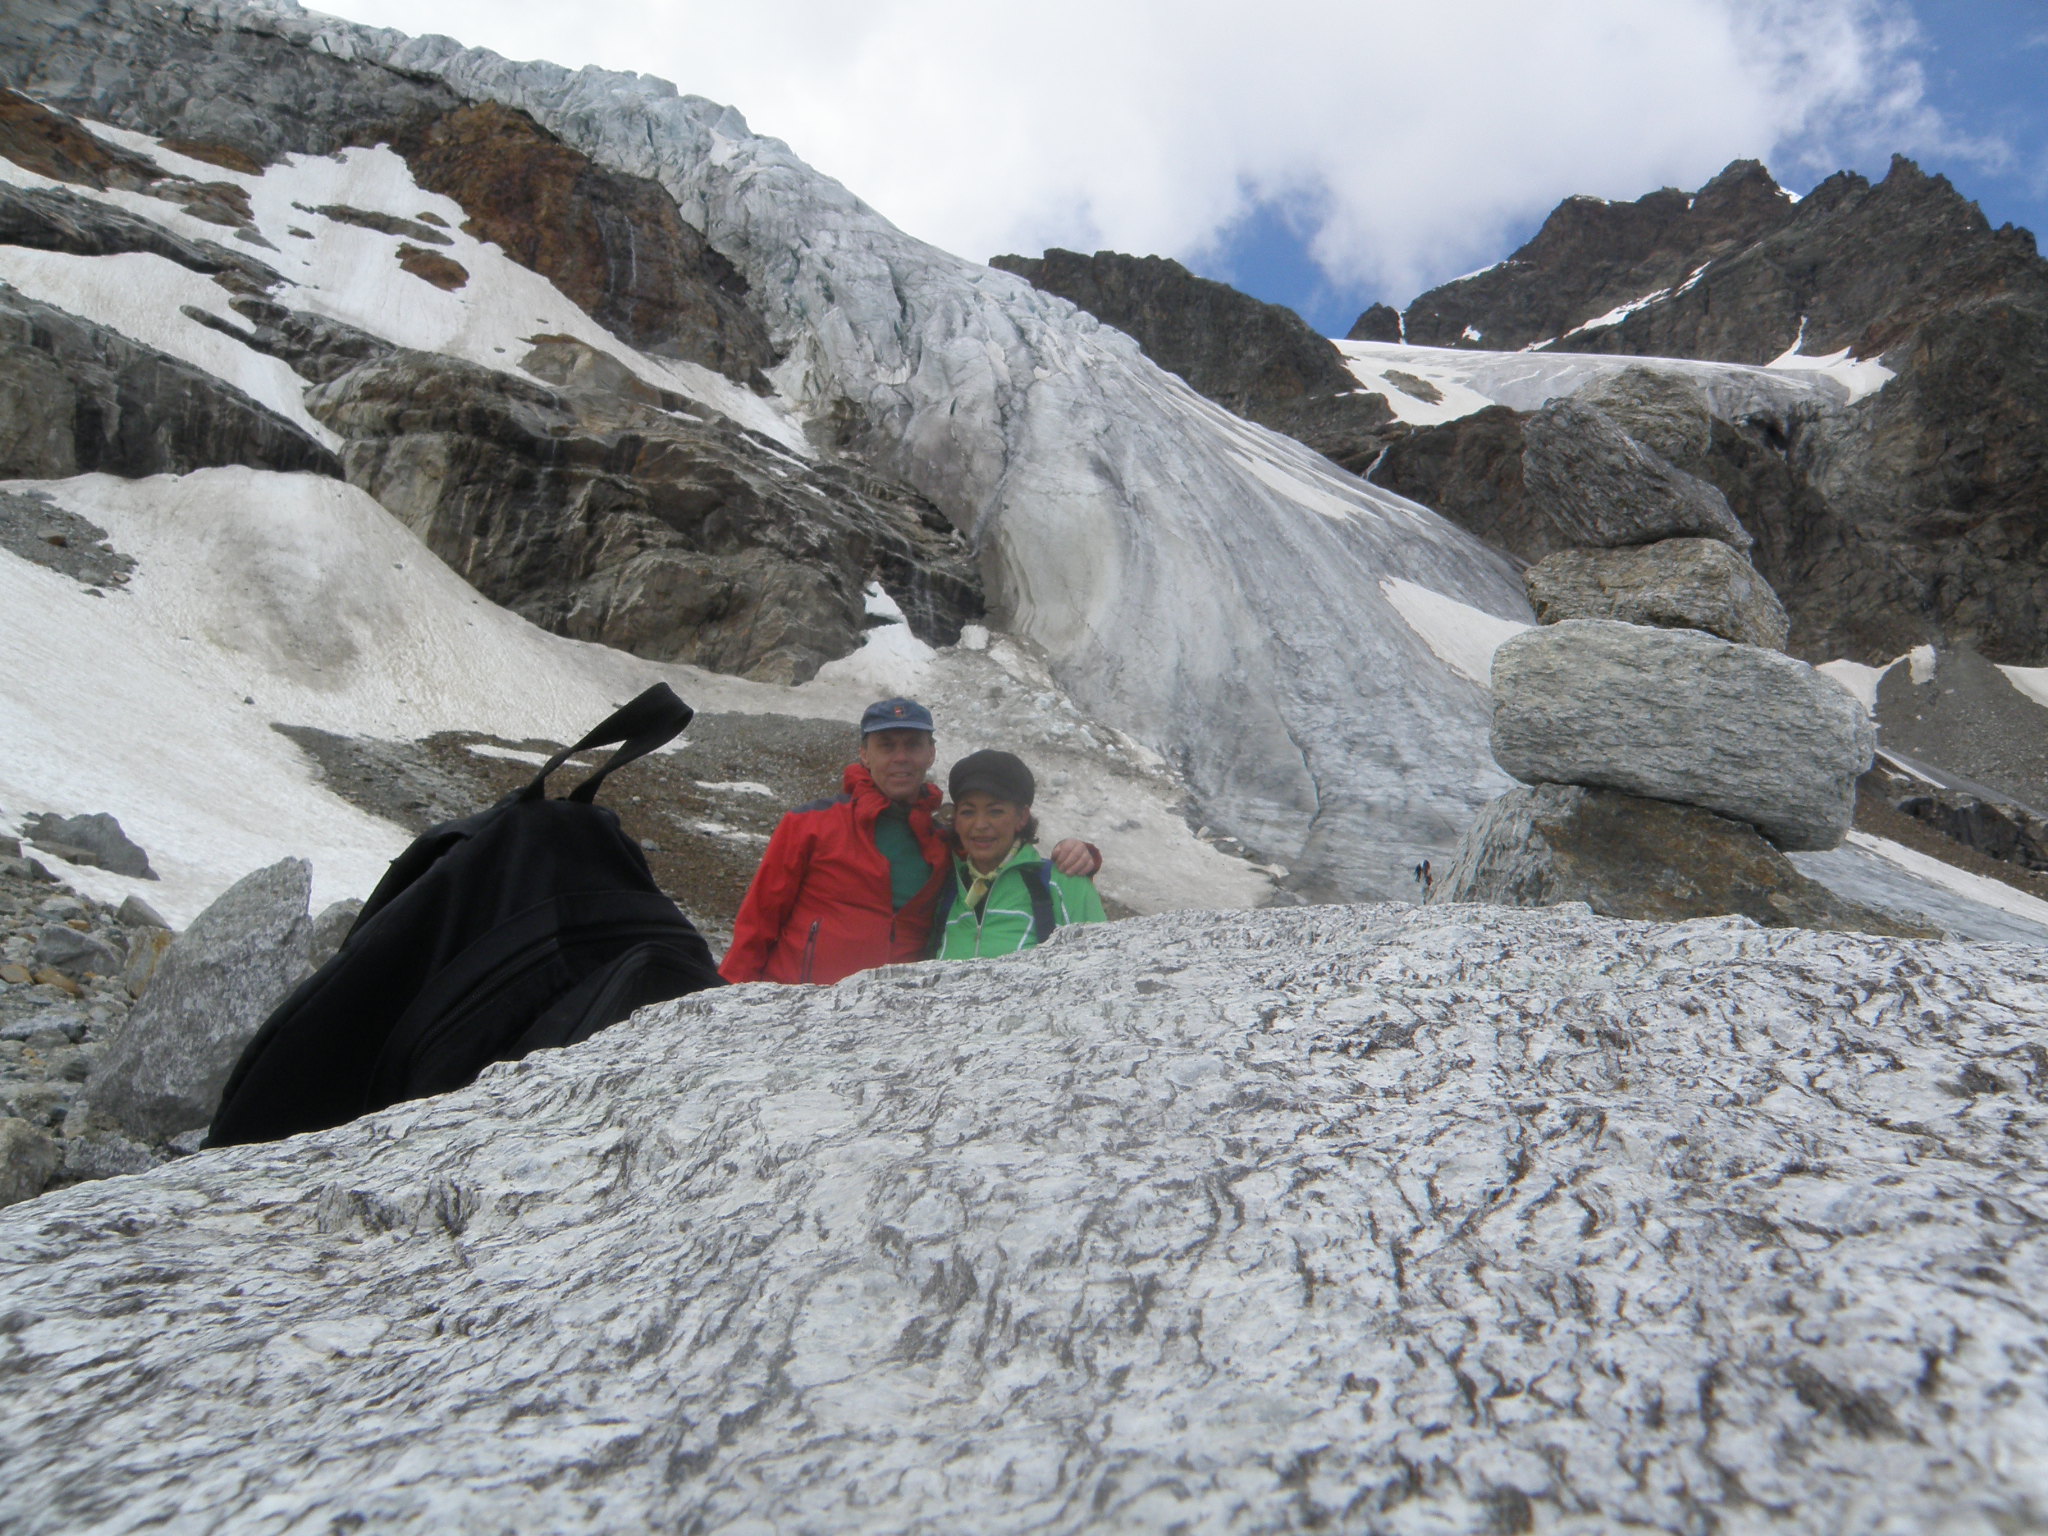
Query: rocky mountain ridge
{"x": 1259, "y": 360}
{"x": 1912, "y": 516}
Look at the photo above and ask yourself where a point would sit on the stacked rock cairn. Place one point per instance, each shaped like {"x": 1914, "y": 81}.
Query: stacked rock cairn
{"x": 1672, "y": 751}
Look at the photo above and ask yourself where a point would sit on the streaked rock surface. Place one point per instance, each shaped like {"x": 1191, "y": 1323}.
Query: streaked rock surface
{"x": 1625, "y": 856}
{"x": 1369, "y": 1218}
{"x": 1674, "y": 714}
{"x": 1672, "y": 584}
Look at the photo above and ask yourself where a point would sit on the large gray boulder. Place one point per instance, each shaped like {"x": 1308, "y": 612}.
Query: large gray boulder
{"x": 216, "y": 984}
{"x": 1598, "y": 486}
{"x": 97, "y": 834}
{"x": 1672, "y": 584}
{"x": 1374, "y": 1218}
{"x": 1674, "y": 714}
{"x": 1671, "y": 414}
{"x": 1625, "y": 856}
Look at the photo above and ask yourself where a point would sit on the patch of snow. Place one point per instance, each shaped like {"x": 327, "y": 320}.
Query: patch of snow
{"x": 347, "y": 273}
{"x": 1469, "y": 334}
{"x": 1859, "y": 680}
{"x": 1370, "y": 369}
{"x": 1619, "y": 313}
{"x": 519, "y": 755}
{"x": 1900, "y": 765}
{"x": 1921, "y": 660}
{"x": 1314, "y": 498}
{"x": 973, "y": 637}
{"x": 736, "y": 787}
{"x": 1978, "y": 888}
{"x": 2032, "y": 681}
{"x": 1858, "y": 376}
{"x": 732, "y": 834}
{"x": 1464, "y": 638}
{"x": 1471, "y": 380}
{"x": 879, "y": 604}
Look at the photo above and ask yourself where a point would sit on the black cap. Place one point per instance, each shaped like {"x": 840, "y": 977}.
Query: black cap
{"x": 895, "y": 715}
{"x": 1001, "y": 774}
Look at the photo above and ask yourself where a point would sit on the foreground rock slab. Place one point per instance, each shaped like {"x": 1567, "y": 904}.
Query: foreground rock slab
{"x": 1672, "y": 584}
{"x": 1674, "y": 714}
{"x": 1629, "y": 857}
{"x": 1366, "y": 1218}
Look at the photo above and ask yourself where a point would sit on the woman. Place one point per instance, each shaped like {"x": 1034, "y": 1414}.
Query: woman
{"x": 1002, "y": 896}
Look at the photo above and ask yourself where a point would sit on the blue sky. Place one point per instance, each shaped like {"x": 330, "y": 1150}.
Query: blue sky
{"x": 1318, "y": 153}
{"x": 1984, "y": 68}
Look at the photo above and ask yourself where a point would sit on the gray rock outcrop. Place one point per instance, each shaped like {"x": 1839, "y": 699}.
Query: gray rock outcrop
{"x": 1675, "y": 714}
{"x": 76, "y": 953}
{"x": 1668, "y": 413}
{"x": 595, "y": 509}
{"x": 164, "y": 1072}
{"x": 28, "y": 1159}
{"x": 1600, "y": 487}
{"x": 76, "y": 397}
{"x": 1672, "y": 584}
{"x": 96, "y": 833}
{"x": 1380, "y": 1218}
{"x": 1650, "y": 859}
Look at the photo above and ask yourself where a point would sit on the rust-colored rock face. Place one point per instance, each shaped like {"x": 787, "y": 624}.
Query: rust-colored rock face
{"x": 613, "y": 243}
{"x": 51, "y": 144}
{"x": 442, "y": 271}
{"x": 54, "y": 145}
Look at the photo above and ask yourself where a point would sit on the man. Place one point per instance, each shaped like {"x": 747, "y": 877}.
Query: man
{"x": 849, "y": 883}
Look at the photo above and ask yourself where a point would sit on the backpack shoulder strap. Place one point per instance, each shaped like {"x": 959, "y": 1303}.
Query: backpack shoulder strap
{"x": 652, "y": 720}
{"x": 1038, "y": 881}
{"x": 942, "y": 909}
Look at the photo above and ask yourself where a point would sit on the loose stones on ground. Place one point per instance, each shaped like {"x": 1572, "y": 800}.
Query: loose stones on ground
{"x": 56, "y": 1014}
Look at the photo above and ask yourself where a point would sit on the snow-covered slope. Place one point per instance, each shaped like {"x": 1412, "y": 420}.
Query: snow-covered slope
{"x": 1467, "y": 381}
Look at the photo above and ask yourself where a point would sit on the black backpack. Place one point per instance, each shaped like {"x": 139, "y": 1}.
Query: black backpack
{"x": 534, "y": 923}
{"x": 1037, "y": 884}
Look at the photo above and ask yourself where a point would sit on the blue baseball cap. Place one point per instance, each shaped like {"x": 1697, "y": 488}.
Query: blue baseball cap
{"x": 896, "y": 715}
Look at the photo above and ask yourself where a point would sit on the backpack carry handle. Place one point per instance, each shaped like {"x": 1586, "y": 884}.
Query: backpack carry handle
{"x": 652, "y": 720}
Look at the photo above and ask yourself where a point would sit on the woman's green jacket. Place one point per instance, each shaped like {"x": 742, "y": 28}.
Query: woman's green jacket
{"x": 1003, "y": 925}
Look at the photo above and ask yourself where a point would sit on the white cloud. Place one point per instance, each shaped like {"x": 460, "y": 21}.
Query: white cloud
{"x": 1410, "y": 135}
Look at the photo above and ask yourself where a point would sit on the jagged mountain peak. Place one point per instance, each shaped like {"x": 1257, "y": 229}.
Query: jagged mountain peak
{"x": 1739, "y": 271}
{"x": 1592, "y": 254}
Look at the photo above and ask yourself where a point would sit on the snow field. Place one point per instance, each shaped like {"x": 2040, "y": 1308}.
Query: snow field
{"x": 1470, "y": 380}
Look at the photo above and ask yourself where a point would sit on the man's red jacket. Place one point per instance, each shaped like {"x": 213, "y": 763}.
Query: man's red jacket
{"x": 819, "y": 907}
